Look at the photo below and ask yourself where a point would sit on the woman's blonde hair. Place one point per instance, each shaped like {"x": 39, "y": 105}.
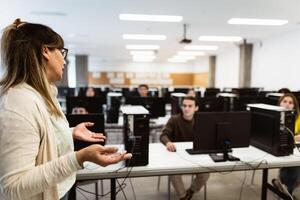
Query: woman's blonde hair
{"x": 22, "y": 44}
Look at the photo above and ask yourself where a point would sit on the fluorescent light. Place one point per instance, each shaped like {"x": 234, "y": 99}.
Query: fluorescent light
{"x": 142, "y": 59}
{"x": 220, "y": 38}
{"x": 176, "y": 60}
{"x": 201, "y": 47}
{"x": 140, "y": 47}
{"x": 143, "y": 37}
{"x": 150, "y": 18}
{"x": 141, "y": 53}
{"x": 253, "y": 21}
{"x": 184, "y": 57}
{"x": 191, "y": 53}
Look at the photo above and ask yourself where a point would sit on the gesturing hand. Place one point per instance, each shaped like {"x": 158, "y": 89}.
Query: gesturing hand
{"x": 101, "y": 155}
{"x": 80, "y": 132}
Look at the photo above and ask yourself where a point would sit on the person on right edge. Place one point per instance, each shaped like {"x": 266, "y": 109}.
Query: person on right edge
{"x": 289, "y": 177}
{"x": 179, "y": 128}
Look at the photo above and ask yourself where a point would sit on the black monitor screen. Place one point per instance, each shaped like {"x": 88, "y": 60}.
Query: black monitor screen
{"x": 155, "y": 105}
{"x": 211, "y": 104}
{"x": 98, "y": 127}
{"x": 65, "y": 91}
{"x": 241, "y": 102}
{"x": 90, "y": 104}
{"x": 214, "y": 131}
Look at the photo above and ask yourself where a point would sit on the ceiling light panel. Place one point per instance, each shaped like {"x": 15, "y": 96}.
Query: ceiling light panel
{"x": 142, "y": 52}
{"x": 143, "y": 37}
{"x": 150, "y": 18}
{"x": 260, "y": 22}
{"x": 220, "y": 38}
{"x": 142, "y": 47}
{"x": 191, "y": 53}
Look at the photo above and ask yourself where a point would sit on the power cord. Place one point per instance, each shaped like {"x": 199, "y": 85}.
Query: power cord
{"x": 121, "y": 186}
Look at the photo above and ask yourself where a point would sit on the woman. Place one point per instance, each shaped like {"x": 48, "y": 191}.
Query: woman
{"x": 36, "y": 147}
{"x": 290, "y": 176}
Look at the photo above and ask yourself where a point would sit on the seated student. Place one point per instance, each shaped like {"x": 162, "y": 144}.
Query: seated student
{"x": 180, "y": 129}
{"x": 290, "y": 176}
{"x": 90, "y": 92}
{"x": 79, "y": 111}
{"x": 284, "y": 90}
{"x": 143, "y": 90}
{"x": 191, "y": 93}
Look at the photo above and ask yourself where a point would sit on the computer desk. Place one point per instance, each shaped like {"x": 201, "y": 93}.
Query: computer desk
{"x": 162, "y": 162}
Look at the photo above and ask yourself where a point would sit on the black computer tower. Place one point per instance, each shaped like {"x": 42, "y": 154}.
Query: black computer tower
{"x": 136, "y": 137}
{"x": 272, "y": 129}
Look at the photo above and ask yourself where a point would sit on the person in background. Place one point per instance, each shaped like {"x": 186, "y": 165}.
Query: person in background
{"x": 191, "y": 93}
{"x": 37, "y": 155}
{"x": 289, "y": 177}
{"x": 143, "y": 90}
{"x": 90, "y": 92}
{"x": 179, "y": 128}
{"x": 284, "y": 90}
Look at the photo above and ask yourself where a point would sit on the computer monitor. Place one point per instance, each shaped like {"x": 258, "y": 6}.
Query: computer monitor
{"x": 218, "y": 132}
{"x": 211, "y": 92}
{"x": 246, "y": 91}
{"x": 211, "y": 104}
{"x": 240, "y": 103}
{"x": 181, "y": 90}
{"x": 155, "y": 105}
{"x": 91, "y": 104}
{"x": 65, "y": 91}
{"x": 97, "y": 119}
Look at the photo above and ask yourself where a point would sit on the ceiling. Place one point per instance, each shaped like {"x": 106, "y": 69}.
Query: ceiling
{"x": 93, "y": 27}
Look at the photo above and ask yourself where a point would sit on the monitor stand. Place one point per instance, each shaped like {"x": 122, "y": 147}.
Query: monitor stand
{"x": 216, "y": 155}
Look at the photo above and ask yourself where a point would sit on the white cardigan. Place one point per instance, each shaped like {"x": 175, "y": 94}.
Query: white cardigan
{"x": 29, "y": 164}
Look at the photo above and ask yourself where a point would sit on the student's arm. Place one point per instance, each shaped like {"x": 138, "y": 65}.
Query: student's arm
{"x": 167, "y": 135}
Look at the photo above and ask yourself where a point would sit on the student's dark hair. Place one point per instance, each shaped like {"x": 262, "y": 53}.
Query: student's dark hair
{"x": 143, "y": 85}
{"x": 190, "y": 98}
{"x": 295, "y": 101}
{"x": 284, "y": 90}
{"x": 22, "y": 44}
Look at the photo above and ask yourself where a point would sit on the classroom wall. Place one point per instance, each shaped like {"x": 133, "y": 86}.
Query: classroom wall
{"x": 155, "y": 74}
{"x": 276, "y": 62}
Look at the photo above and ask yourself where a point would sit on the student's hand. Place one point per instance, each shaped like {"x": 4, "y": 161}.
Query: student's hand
{"x": 297, "y": 138}
{"x": 101, "y": 155}
{"x": 171, "y": 146}
{"x": 80, "y": 132}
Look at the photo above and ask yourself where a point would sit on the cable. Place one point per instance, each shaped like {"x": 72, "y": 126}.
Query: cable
{"x": 83, "y": 195}
{"x": 243, "y": 184}
{"x": 121, "y": 189}
{"x": 134, "y": 196}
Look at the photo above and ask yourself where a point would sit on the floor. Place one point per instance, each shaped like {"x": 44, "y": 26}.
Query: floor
{"x": 220, "y": 186}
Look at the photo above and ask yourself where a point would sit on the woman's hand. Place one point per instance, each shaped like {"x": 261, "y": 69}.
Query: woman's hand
{"x": 101, "y": 155}
{"x": 80, "y": 132}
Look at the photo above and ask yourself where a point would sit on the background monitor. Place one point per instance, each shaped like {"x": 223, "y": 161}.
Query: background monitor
{"x": 211, "y": 104}
{"x": 97, "y": 119}
{"x": 91, "y": 104}
{"x": 218, "y": 132}
{"x": 65, "y": 91}
{"x": 155, "y": 105}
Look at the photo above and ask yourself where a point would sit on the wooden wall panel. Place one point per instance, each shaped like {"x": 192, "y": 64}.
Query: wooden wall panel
{"x": 178, "y": 79}
{"x": 201, "y": 79}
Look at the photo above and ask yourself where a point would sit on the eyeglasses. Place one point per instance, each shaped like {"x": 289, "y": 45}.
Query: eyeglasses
{"x": 64, "y": 52}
